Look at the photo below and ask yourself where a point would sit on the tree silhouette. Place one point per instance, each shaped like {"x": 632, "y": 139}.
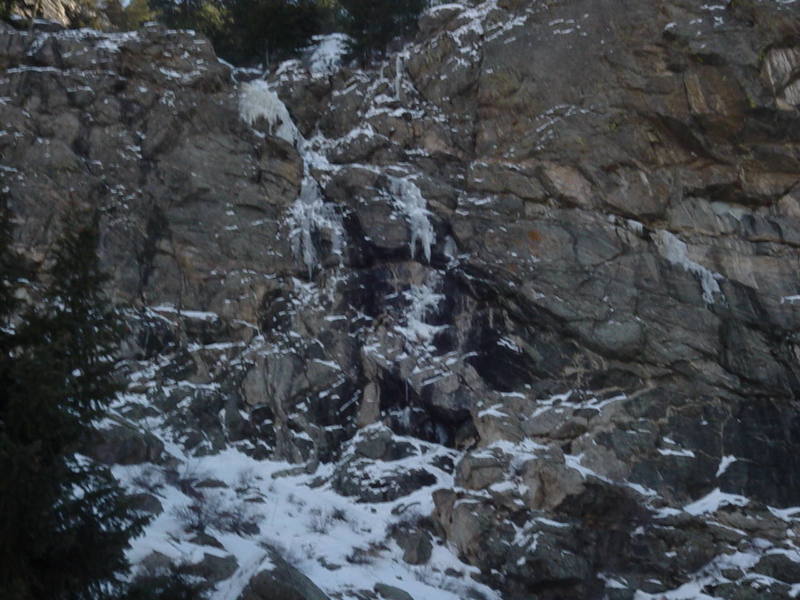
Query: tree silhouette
{"x": 376, "y": 23}
{"x": 64, "y": 521}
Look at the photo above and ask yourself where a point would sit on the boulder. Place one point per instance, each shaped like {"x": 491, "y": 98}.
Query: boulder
{"x": 415, "y": 543}
{"x": 280, "y": 581}
{"x": 213, "y": 569}
{"x": 352, "y": 478}
{"x": 779, "y": 566}
{"x": 390, "y": 592}
{"x": 126, "y": 445}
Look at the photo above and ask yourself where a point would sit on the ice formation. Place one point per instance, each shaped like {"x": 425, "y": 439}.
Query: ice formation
{"x": 326, "y": 54}
{"x": 398, "y": 75}
{"x": 310, "y": 213}
{"x": 408, "y": 199}
{"x": 423, "y": 301}
{"x": 256, "y": 100}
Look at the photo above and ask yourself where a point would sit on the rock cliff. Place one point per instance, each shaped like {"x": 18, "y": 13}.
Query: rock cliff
{"x": 513, "y": 314}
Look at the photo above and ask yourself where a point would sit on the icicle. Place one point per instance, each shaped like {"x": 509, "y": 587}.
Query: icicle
{"x": 398, "y": 76}
{"x": 450, "y": 250}
{"x": 310, "y": 213}
{"x": 410, "y": 202}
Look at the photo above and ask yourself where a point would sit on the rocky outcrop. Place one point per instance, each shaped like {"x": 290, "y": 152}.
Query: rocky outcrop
{"x": 146, "y": 126}
{"x": 536, "y": 271}
{"x": 55, "y": 14}
{"x": 281, "y": 581}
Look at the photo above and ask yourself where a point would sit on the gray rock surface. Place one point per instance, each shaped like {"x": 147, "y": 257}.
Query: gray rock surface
{"x": 390, "y": 592}
{"x": 552, "y": 282}
{"x": 281, "y": 581}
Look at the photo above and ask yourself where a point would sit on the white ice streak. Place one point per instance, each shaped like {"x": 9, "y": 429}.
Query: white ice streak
{"x": 676, "y": 252}
{"x": 674, "y": 452}
{"x": 399, "y": 67}
{"x": 409, "y": 201}
{"x": 422, "y": 302}
{"x": 724, "y": 463}
{"x": 326, "y": 54}
{"x": 257, "y": 101}
{"x": 309, "y": 214}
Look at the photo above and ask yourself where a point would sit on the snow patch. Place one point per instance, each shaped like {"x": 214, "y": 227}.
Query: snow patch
{"x": 713, "y": 501}
{"x": 688, "y": 591}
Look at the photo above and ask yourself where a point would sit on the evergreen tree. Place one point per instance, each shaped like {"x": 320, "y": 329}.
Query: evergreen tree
{"x": 16, "y": 490}
{"x": 8, "y": 8}
{"x": 209, "y": 17}
{"x": 248, "y": 31}
{"x": 130, "y": 17}
{"x": 268, "y": 30}
{"x": 373, "y": 24}
{"x": 64, "y": 521}
{"x": 171, "y": 583}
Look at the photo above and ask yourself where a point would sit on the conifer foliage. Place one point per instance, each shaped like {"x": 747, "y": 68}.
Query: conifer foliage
{"x": 5, "y": 9}
{"x": 268, "y": 30}
{"x": 64, "y": 521}
{"x": 375, "y": 23}
{"x": 247, "y": 32}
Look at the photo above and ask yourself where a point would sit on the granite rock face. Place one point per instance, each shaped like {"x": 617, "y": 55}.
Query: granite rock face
{"x": 539, "y": 268}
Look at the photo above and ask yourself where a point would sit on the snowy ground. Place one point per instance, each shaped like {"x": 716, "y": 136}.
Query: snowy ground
{"x": 248, "y": 505}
